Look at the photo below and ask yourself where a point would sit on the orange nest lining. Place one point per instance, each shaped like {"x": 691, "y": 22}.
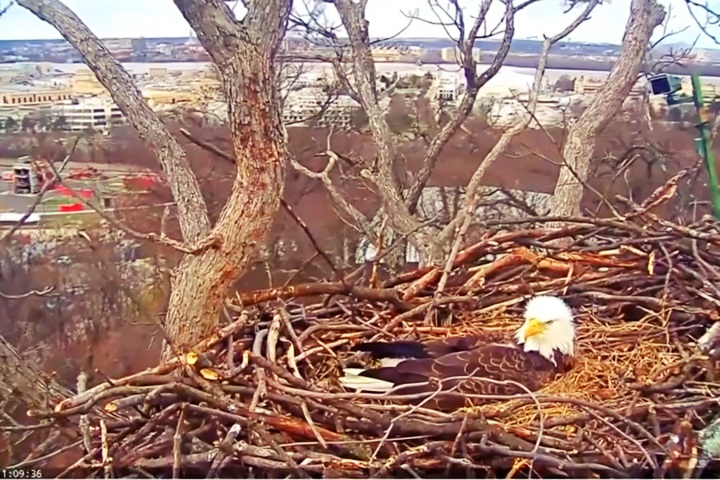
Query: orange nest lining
{"x": 611, "y": 359}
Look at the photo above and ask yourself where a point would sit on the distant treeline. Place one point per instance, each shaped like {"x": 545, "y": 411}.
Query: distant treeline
{"x": 518, "y": 45}
{"x": 557, "y": 62}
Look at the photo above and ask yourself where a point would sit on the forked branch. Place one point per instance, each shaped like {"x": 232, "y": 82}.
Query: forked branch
{"x": 474, "y": 82}
{"x": 358, "y": 220}
{"x": 460, "y": 225}
{"x": 398, "y": 204}
{"x": 701, "y": 8}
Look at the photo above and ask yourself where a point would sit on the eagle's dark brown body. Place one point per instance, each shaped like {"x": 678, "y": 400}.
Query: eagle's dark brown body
{"x": 462, "y": 367}
{"x": 432, "y": 348}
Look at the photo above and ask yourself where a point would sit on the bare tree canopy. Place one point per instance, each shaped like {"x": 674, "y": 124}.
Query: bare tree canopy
{"x": 706, "y": 17}
{"x": 244, "y": 52}
{"x": 259, "y": 370}
{"x": 355, "y": 68}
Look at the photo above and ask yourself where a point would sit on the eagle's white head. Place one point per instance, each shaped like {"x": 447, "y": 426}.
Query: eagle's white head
{"x": 548, "y": 327}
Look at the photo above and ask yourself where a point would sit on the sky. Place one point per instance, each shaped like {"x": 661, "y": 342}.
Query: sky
{"x": 160, "y": 18}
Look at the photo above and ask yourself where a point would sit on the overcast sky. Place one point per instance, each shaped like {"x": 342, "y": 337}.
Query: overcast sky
{"x": 160, "y": 18}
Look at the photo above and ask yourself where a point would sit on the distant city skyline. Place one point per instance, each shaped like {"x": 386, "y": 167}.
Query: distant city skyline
{"x": 160, "y": 18}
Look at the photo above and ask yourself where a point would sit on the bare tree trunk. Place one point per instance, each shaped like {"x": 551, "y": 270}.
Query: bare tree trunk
{"x": 645, "y": 16}
{"x": 246, "y": 67}
{"x": 244, "y": 52}
{"x": 401, "y": 212}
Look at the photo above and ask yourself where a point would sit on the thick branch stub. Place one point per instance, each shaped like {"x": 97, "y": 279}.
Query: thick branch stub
{"x": 211, "y": 241}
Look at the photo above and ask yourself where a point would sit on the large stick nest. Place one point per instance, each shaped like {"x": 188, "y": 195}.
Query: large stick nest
{"x": 261, "y": 396}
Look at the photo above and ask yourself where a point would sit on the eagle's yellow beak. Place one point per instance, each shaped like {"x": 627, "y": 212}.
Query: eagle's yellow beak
{"x": 534, "y": 327}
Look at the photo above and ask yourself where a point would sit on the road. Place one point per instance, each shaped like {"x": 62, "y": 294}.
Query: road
{"x": 6, "y": 163}
{"x": 16, "y": 203}
{"x": 21, "y": 203}
{"x": 10, "y": 202}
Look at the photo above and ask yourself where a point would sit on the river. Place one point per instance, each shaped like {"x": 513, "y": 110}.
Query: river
{"x": 511, "y": 76}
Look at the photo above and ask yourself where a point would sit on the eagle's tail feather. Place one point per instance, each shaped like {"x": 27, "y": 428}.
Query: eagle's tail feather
{"x": 399, "y": 349}
{"x": 354, "y": 380}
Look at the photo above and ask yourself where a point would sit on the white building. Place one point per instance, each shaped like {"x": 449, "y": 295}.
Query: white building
{"x": 550, "y": 110}
{"x": 453, "y": 54}
{"x": 450, "y": 85}
{"x": 20, "y": 101}
{"x": 508, "y": 82}
{"x": 88, "y": 114}
{"x": 308, "y": 103}
{"x": 298, "y": 78}
{"x": 18, "y": 112}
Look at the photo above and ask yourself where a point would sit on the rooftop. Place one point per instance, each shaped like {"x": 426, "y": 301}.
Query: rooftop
{"x": 91, "y": 102}
{"x": 15, "y": 88}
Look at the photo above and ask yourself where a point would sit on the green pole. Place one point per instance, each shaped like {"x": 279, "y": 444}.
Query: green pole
{"x": 705, "y": 144}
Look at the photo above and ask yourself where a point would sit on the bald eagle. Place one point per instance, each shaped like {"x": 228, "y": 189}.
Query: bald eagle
{"x": 544, "y": 346}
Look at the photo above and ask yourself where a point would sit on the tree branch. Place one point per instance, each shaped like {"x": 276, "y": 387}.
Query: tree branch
{"x": 359, "y": 221}
{"x": 4, "y": 9}
{"x": 30, "y": 293}
{"x": 213, "y": 19}
{"x": 262, "y": 27}
{"x": 460, "y": 225}
{"x": 645, "y": 16}
{"x": 43, "y": 191}
{"x": 712, "y": 17}
{"x": 195, "y": 248}
{"x": 474, "y": 84}
{"x": 288, "y": 209}
{"x": 244, "y": 53}
{"x": 352, "y": 16}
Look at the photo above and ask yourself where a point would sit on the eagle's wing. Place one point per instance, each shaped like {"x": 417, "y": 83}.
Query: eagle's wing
{"x": 501, "y": 363}
{"x": 445, "y": 346}
{"x": 429, "y": 349}
{"x": 399, "y": 349}
{"x": 464, "y": 372}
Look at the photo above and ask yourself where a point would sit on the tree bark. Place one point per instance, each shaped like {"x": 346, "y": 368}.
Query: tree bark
{"x": 352, "y": 15}
{"x": 401, "y": 212}
{"x": 243, "y": 51}
{"x": 245, "y": 56}
{"x": 645, "y": 16}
